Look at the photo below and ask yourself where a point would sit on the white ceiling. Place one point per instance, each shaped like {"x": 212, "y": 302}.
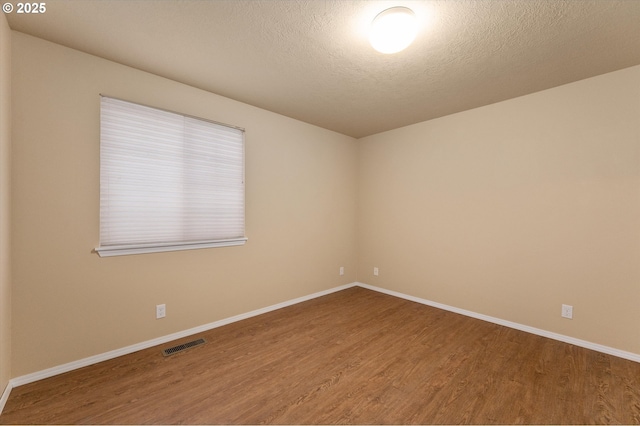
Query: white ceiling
{"x": 311, "y": 60}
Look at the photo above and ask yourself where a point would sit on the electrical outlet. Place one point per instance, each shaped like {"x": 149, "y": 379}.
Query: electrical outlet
{"x": 161, "y": 311}
{"x": 375, "y": 271}
{"x": 342, "y": 270}
{"x": 567, "y": 311}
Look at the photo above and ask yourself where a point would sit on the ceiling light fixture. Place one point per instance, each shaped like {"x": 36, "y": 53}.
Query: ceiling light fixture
{"x": 393, "y": 30}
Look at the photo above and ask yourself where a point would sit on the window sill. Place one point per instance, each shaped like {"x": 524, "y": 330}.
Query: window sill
{"x": 109, "y": 251}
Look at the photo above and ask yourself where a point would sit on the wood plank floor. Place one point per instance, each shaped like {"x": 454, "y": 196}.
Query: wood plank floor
{"x": 355, "y": 356}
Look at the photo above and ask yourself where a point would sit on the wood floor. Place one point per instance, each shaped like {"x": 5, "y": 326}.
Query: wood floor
{"x": 355, "y": 356}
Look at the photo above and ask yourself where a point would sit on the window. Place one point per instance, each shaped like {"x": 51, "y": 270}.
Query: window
{"x": 167, "y": 181}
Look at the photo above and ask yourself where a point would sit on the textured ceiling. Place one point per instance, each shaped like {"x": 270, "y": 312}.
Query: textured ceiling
{"x": 311, "y": 60}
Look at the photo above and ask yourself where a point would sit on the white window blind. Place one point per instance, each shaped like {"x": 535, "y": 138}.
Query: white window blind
{"x": 167, "y": 181}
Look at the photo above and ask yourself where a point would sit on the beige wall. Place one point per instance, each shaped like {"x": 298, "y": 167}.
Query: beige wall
{"x": 513, "y": 209}
{"x": 69, "y": 303}
{"x": 507, "y": 210}
{"x": 5, "y": 202}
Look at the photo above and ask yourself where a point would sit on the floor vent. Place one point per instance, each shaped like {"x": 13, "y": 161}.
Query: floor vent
{"x": 183, "y": 347}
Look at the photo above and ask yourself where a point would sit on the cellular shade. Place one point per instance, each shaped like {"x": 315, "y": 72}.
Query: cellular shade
{"x": 167, "y": 181}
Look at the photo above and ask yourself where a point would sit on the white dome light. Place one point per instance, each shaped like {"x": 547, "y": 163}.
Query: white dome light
{"x": 393, "y": 30}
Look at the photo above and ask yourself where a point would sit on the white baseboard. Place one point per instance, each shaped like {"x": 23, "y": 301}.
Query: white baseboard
{"x": 555, "y": 336}
{"x": 5, "y": 396}
{"x": 50, "y": 372}
{"x": 29, "y": 378}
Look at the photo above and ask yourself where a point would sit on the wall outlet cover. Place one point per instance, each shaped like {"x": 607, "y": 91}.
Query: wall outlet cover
{"x": 161, "y": 311}
{"x": 567, "y": 311}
